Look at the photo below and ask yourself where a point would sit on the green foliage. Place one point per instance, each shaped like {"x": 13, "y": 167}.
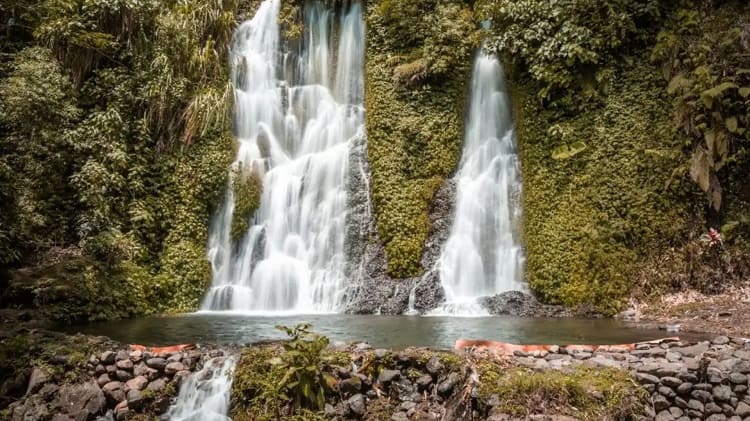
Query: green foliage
{"x": 418, "y": 55}
{"x": 116, "y": 140}
{"x": 271, "y": 383}
{"x": 571, "y": 393}
{"x": 704, "y": 55}
{"x": 593, "y": 218}
{"x": 247, "y": 186}
{"x": 568, "y": 47}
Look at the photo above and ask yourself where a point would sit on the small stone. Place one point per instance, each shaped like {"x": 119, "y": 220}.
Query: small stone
{"x": 173, "y": 367}
{"x": 124, "y": 364}
{"x": 351, "y": 385}
{"x": 740, "y": 388}
{"x": 673, "y": 357}
{"x": 156, "y": 363}
{"x": 135, "y": 400}
{"x": 387, "y": 376}
{"x": 114, "y": 392}
{"x": 137, "y": 383}
{"x": 712, "y": 408}
{"x": 660, "y": 403}
{"x": 701, "y": 395}
{"x": 717, "y": 417}
{"x": 434, "y": 366}
{"x": 357, "y": 404}
{"x": 107, "y": 357}
{"x": 743, "y": 410}
{"x": 684, "y": 388}
{"x": 156, "y": 385}
{"x": 140, "y": 369}
{"x": 720, "y": 340}
{"x": 37, "y": 379}
{"x": 123, "y": 375}
{"x": 424, "y": 381}
{"x": 703, "y": 386}
{"x": 664, "y": 416}
{"x": 672, "y": 382}
{"x": 644, "y": 378}
{"x": 738, "y": 378}
{"x": 446, "y": 386}
{"x": 103, "y": 379}
{"x": 676, "y": 412}
{"x": 175, "y": 358}
{"x": 666, "y": 391}
{"x": 136, "y": 356}
{"x": 681, "y": 403}
{"x": 99, "y": 370}
{"x": 696, "y": 405}
{"x": 111, "y": 370}
{"x": 722, "y": 393}
{"x": 122, "y": 355}
{"x": 180, "y": 376}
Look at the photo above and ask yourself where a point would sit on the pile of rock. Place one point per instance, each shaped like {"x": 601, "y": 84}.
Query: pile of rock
{"x": 122, "y": 383}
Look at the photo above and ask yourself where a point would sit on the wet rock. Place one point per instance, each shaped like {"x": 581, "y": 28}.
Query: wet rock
{"x": 516, "y": 303}
{"x": 692, "y": 351}
{"x": 135, "y": 399}
{"x": 137, "y": 383}
{"x": 357, "y": 404}
{"x": 103, "y": 379}
{"x": 180, "y": 376}
{"x": 171, "y": 368}
{"x": 157, "y": 385}
{"x": 424, "y": 381}
{"x": 387, "y": 376}
{"x": 136, "y": 356}
{"x": 660, "y": 403}
{"x": 124, "y": 364}
{"x": 123, "y": 375}
{"x": 156, "y": 363}
{"x": 114, "y": 392}
{"x": 122, "y": 355}
{"x": 37, "y": 379}
{"x": 434, "y": 366}
{"x": 140, "y": 369}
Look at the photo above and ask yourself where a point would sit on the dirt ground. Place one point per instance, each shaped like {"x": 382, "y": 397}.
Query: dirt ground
{"x": 727, "y": 313}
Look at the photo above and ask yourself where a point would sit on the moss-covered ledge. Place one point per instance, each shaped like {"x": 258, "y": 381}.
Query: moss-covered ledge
{"x": 418, "y": 66}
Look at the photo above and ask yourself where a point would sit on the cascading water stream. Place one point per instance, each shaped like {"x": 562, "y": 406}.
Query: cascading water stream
{"x": 296, "y": 115}
{"x": 483, "y": 255}
{"x": 205, "y": 394}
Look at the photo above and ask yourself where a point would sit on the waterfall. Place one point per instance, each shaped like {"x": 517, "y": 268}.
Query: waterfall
{"x": 205, "y": 394}
{"x": 296, "y": 115}
{"x": 483, "y": 255}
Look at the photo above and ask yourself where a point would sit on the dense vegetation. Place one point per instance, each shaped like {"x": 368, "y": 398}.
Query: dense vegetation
{"x": 632, "y": 121}
{"x": 114, "y": 145}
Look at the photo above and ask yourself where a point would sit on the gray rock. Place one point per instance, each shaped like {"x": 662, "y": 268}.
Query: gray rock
{"x": 140, "y": 369}
{"x": 720, "y": 340}
{"x": 174, "y": 358}
{"x": 519, "y": 304}
{"x": 357, "y": 404}
{"x": 664, "y": 416}
{"x": 660, "y": 403}
{"x": 83, "y": 401}
{"x": 737, "y": 378}
{"x": 717, "y": 417}
{"x": 424, "y": 381}
{"x": 137, "y": 383}
{"x": 692, "y": 351}
{"x": 102, "y": 380}
{"x": 434, "y": 366}
{"x": 743, "y": 410}
{"x": 701, "y": 395}
{"x": 722, "y": 393}
{"x": 114, "y": 392}
{"x": 446, "y": 386}
{"x": 122, "y": 355}
{"x": 107, "y": 357}
{"x": 684, "y": 388}
{"x": 399, "y": 416}
{"x": 124, "y": 364}
{"x": 712, "y": 408}
{"x": 171, "y": 368}
{"x": 740, "y": 389}
{"x": 37, "y": 379}
{"x": 156, "y": 363}
{"x": 672, "y": 382}
{"x": 645, "y": 378}
{"x": 123, "y": 375}
{"x": 351, "y": 385}
{"x": 676, "y": 412}
{"x": 156, "y": 385}
{"x": 135, "y": 400}
{"x": 696, "y": 405}
{"x": 387, "y": 376}
{"x": 666, "y": 391}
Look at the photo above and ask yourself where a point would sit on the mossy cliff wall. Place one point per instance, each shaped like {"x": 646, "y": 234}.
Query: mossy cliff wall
{"x": 418, "y": 66}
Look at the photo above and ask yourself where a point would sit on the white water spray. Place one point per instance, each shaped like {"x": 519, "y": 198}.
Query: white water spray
{"x": 483, "y": 255}
{"x": 295, "y": 131}
{"x": 205, "y": 394}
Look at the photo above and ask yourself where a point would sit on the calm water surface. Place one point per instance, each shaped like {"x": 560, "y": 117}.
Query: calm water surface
{"x": 380, "y": 331}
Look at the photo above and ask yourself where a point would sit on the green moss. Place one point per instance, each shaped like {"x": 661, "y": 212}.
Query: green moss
{"x": 414, "y": 125}
{"x": 591, "y": 219}
{"x": 587, "y": 394}
{"x": 290, "y": 20}
{"x": 248, "y": 187}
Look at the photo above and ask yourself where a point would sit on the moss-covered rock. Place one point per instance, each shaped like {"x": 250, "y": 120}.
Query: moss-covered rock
{"x": 247, "y": 187}
{"x": 418, "y": 64}
{"x": 592, "y": 217}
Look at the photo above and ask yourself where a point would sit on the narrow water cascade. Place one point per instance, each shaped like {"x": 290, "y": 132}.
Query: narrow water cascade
{"x": 205, "y": 394}
{"x": 483, "y": 255}
{"x": 297, "y": 114}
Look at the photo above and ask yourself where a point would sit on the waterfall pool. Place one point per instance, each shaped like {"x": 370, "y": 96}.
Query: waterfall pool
{"x": 395, "y": 332}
